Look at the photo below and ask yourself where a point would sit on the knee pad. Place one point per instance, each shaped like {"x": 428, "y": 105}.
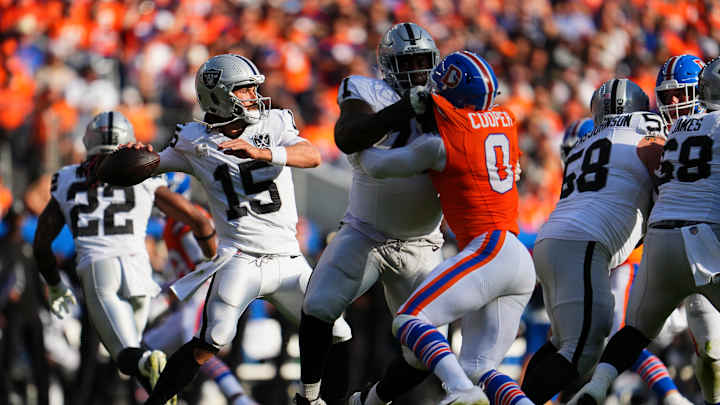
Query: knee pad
{"x": 324, "y": 307}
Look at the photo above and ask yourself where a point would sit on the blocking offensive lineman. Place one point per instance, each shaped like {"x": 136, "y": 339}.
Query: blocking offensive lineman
{"x": 240, "y": 155}
{"x": 108, "y": 224}
{"x": 681, "y": 245}
{"x": 390, "y": 231}
{"x": 598, "y": 221}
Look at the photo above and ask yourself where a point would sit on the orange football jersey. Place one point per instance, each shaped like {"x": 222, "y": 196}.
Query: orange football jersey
{"x": 477, "y": 188}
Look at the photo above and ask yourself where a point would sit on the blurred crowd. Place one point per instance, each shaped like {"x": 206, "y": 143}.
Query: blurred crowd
{"x": 63, "y": 61}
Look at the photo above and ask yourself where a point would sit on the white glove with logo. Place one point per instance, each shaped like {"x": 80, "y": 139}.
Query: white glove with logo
{"x": 419, "y": 97}
{"x": 61, "y": 299}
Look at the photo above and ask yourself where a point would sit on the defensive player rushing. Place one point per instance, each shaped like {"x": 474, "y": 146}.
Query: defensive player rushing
{"x": 473, "y": 165}
{"x": 681, "y": 245}
{"x": 184, "y": 254}
{"x": 108, "y": 224}
{"x": 240, "y": 155}
{"x": 598, "y": 221}
{"x": 390, "y": 231}
{"x": 648, "y": 366}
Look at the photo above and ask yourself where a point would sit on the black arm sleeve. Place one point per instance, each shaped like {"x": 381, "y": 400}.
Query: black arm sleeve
{"x": 49, "y": 225}
{"x": 355, "y": 132}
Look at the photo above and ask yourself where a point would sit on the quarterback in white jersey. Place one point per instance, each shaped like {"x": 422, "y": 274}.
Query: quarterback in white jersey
{"x": 108, "y": 224}
{"x": 680, "y": 258}
{"x": 599, "y": 219}
{"x": 240, "y": 155}
{"x": 390, "y": 231}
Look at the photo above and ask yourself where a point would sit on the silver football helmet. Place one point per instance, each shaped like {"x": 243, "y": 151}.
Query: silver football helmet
{"x": 215, "y": 82}
{"x": 709, "y": 85}
{"x": 106, "y": 131}
{"x": 406, "y": 55}
{"x": 617, "y": 96}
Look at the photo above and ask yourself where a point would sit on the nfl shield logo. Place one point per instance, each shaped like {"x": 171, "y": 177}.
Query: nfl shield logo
{"x": 211, "y": 77}
{"x": 452, "y": 77}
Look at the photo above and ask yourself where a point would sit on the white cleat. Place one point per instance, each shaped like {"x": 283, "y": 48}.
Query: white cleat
{"x": 355, "y": 399}
{"x": 472, "y": 396}
{"x": 675, "y": 398}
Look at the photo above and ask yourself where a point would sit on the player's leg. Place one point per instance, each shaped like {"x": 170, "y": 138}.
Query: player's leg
{"x": 231, "y": 290}
{"x": 113, "y": 316}
{"x": 704, "y": 325}
{"x": 288, "y": 299}
{"x": 405, "y": 264}
{"x": 662, "y": 282}
{"x": 343, "y": 274}
{"x": 648, "y": 366}
{"x": 576, "y": 289}
{"x": 485, "y": 269}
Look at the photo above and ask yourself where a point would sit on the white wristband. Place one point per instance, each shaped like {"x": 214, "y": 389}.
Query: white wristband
{"x": 279, "y": 155}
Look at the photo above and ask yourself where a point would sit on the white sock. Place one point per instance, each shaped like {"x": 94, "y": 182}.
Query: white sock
{"x": 229, "y": 385}
{"x": 604, "y": 375}
{"x": 312, "y": 391}
{"x": 452, "y": 375}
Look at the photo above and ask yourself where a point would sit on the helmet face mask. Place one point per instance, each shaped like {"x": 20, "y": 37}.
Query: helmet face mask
{"x": 106, "y": 131}
{"x": 217, "y": 82}
{"x": 676, "y": 87}
{"x": 406, "y": 55}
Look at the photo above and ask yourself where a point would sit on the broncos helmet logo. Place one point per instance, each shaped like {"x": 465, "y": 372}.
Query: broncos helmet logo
{"x": 452, "y": 77}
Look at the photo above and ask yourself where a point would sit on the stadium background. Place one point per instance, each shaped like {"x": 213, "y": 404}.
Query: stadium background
{"x": 61, "y": 62}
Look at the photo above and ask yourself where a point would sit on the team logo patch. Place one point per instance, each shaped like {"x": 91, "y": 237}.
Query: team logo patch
{"x": 211, "y": 77}
{"x": 452, "y": 77}
{"x": 260, "y": 140}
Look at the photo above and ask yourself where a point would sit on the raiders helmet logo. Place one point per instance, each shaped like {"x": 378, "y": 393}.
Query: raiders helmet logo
{"x": 452, "y": 77}
{"x": 260, "y": 140}
{"x": 211, "y": 77}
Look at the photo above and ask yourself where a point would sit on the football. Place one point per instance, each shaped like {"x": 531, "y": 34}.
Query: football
{"x": 128, "y": 166}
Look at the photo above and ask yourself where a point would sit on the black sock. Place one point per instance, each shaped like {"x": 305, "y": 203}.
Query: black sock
{"x": 399, "y": 378}
{"x": 128, "y": 360}
{"x": 315, "y": 342}
{"x": 624, "y": 348}
{"x": 548, "y": 378}
{"x": 179, "y": 371}
{"x": 545, "y": 350}
{"x": 336, "y": 377}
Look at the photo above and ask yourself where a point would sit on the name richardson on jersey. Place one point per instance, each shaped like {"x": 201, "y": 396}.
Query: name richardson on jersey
{"x": 621, "y": 120}
{"x": 490, "y": 119}
{"x": 685, "y": 124}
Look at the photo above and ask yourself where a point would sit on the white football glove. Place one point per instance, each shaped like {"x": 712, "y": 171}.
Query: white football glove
{"x": 61, "y": 299}
{"x": 419, "y": 96}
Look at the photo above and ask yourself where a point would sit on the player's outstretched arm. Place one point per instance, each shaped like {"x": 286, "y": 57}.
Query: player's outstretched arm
{"x": 359, "y": 127}
{"x": 179, "y": 208}
{"x": 302, "y": 154}
{"x": 425, "y": 153}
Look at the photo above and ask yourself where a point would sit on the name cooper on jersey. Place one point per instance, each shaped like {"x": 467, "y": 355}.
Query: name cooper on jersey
{"x": 490, "y": 119}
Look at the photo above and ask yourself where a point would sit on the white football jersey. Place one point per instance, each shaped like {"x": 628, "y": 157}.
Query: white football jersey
{"x": 399, "y": 208}
{"x": 106, "y": 221}
{"x": 689, "y": 174}
{"x": 606, "y": 192}
{"x": 252, "y": 202}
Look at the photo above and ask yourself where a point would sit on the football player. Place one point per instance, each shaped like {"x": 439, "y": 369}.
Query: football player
{"x": 473, "y": 165}
{"x": 680, "y": 245}
{"x": 390, "y": 231}
{"x": 241, "y": 154}
{"x": 596, "y": 226}
{"x": 184, "y": 254}
{"x": 648, "y": 366}
{"x": 109, "y": 224}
